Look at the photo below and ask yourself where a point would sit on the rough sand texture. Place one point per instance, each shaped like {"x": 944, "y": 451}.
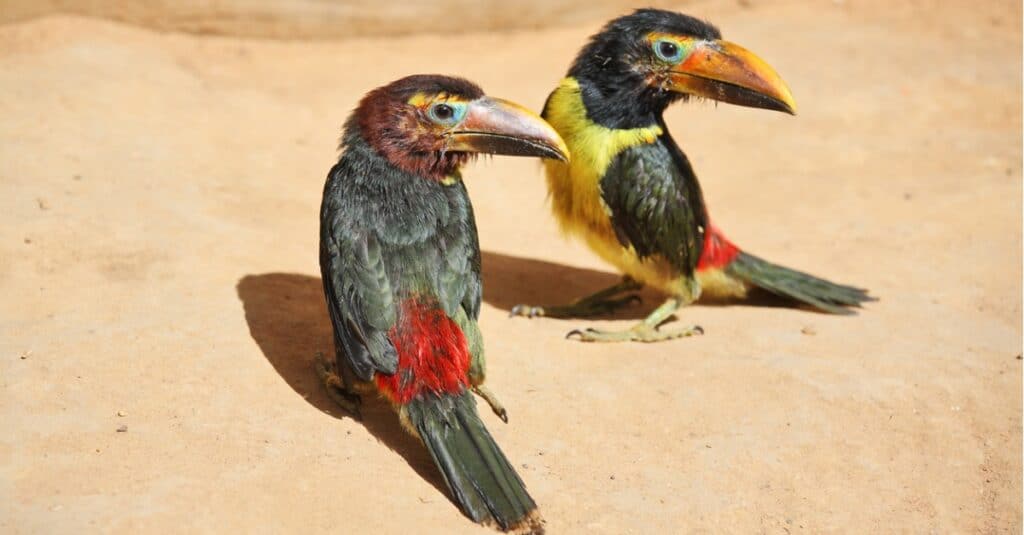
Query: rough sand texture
{"x": 158, "y": 226}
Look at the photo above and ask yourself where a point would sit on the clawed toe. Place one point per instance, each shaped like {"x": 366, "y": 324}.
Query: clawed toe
{"x": 492, "y": 400}
{"x": 526, "y": 311}
{"x": 639, "y": 333}
{"x": 327, "y": 371}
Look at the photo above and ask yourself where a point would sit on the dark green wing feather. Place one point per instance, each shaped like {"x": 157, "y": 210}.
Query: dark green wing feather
{"x": 653, "y": 208}
{"x": 360, "y": 303}
{"x": 357, "y": 288}
{"x": 473, "y": 291}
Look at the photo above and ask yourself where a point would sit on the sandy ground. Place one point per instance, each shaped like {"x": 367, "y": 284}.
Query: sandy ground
{"x": 158, "y": 226}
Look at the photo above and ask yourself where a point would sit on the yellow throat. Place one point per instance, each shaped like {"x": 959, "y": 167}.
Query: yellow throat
{"x": 575, "y": 186}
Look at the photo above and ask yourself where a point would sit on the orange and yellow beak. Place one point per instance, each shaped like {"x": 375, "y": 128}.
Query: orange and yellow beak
{"x": 727, "y": 72}
{"x": 497, "y": 126}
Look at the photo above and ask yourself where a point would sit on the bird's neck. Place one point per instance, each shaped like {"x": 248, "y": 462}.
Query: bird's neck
{"x": 592, "y": 144}
{"x": 574, "y": 185}
{"x": 395, "y": 170}
{"x": 623, "y": 106}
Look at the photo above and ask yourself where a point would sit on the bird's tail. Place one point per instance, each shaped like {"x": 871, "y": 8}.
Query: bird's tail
{"x": 480, "y": 478}
{"x": 822, "y": 294}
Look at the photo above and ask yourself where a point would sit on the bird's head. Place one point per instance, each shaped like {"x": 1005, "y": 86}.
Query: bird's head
{"x": 653, "y": 57}
{"x": 430, "y": 125}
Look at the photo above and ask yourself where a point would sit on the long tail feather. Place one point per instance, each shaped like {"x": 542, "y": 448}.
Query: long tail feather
{"x": 822, "y": 294}
{"x": 480, "y": 478}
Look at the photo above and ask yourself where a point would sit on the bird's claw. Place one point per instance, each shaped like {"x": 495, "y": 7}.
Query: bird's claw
{"x": 327, "y": 371}
{"x": 639, "y": 333}
{"x": 352, "y": 403}
{"x": 585, "y": 335}
{"x": 493, "y": 401}
{"x": 526, "y": 311}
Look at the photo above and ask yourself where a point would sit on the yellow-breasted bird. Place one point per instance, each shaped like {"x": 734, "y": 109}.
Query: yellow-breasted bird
{"x": 630, "y": 192}
{"x": 401, "y": 272}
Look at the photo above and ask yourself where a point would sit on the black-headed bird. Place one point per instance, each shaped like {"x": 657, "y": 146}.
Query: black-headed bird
{"x": 629, "y": 191}
{"x": 401, "y": 274}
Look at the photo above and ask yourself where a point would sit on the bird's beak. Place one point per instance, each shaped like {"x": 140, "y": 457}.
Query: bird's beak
{"x": 727, "y": 72}
{"x": 497, "y": 126}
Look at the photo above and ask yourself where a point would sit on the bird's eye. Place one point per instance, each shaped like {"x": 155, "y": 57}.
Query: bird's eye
{"x": 445, "y": 113}
{"x": 668, "y": 50}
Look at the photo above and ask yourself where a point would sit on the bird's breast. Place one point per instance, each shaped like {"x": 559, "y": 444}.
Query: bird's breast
{"x": 574, "y": 187}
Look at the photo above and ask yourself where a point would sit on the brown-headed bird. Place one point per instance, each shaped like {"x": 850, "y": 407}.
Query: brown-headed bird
{"x": 630, "y": 192}
{"x": 401, "y": 273}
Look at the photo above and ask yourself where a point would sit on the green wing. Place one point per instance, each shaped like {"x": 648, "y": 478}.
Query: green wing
{"x": 360, "y": 302}
{"x": 653, "y": 206}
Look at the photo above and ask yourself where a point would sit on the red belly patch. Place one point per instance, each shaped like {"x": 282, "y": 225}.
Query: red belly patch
{"x": 718, "y": 251}
{"x": 433, "y": 356}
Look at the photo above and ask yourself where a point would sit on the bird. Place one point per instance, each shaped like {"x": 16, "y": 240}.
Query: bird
{"x": 630, "y": 192}
{"x": 400, "y": 264}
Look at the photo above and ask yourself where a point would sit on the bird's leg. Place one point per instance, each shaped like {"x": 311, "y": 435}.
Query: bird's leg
{"x": 645, "y": 331}
{"x": 602, "y": 302}
{"x": 337, "y": 387}
{"x": 492, "y": 400}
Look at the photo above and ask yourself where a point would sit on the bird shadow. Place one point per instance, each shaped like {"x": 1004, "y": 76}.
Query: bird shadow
{"x": 288, "y": 319}
{"x": 512, "y": 280}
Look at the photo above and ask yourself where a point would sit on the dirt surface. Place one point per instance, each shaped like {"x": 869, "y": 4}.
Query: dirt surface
{"x": 161, "y": 301}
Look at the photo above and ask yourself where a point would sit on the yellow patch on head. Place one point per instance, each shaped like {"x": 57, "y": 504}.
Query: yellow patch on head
{"x": 452, "y": 179}
{"x": 683, "y": 41}
{"x": 422, "y": 100}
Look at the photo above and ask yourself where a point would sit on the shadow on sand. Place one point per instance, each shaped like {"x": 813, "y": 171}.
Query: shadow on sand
{"x": 288, "y": 319}
{"x": 511, "y": 280}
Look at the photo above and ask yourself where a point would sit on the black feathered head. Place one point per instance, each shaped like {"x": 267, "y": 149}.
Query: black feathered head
{"x": 640, "y": 63}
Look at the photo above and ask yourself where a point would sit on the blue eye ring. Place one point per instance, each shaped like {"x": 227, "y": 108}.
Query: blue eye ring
{"x": 446, "y": 113}
{"x": 668, "y": 50}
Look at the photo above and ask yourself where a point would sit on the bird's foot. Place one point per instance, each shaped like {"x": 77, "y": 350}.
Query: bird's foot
{"x": 641, "y": 332}
{"x": 583, "y": 308}
{"x": 492, "y": 400}
{"x": 328, "y": 373}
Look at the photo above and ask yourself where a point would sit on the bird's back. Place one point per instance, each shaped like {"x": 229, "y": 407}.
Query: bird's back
{"x": 430, "y": 246}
